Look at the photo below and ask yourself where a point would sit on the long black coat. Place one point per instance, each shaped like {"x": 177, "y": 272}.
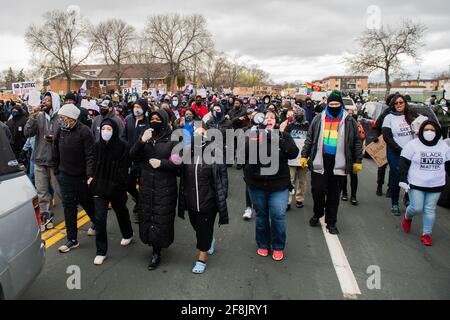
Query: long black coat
{"x": 17, "y": 126}
{"x": 158, "y": 189}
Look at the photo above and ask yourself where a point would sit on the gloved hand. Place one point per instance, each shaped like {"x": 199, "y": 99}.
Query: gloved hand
{"x": 148, "y": 134}
{"x": 357, "y": 167}
{"x": 404, "y": 186}
{"x": 304, "y": 162}
{"x": 155, "y": 163}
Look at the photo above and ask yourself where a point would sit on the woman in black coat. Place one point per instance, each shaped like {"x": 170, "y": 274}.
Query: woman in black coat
{"x": 203, "y": 193}
{"x": 109, "y": 185}
{"x": 158, "y": 189}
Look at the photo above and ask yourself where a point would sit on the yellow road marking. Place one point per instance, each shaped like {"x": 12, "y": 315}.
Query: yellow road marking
{"x": 53, "y": 236}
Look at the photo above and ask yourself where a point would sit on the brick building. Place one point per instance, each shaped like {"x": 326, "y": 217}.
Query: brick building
{"x": 344, "y": 83}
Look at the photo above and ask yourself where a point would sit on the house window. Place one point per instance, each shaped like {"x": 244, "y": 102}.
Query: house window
{"x": 105, "y": 83}
{"x": 123, "y": 83}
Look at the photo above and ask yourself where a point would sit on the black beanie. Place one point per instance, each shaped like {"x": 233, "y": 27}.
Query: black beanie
{"x": 70, "y": 96}
{"x": 335, "y": 96}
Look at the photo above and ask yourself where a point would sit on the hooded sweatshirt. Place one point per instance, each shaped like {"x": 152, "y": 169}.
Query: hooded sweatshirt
{"x": 423, "y": 164}
{"x": 44, "y": 125}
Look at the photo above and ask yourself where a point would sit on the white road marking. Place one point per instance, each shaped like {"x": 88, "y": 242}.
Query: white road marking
{"x": 344, "y": 272}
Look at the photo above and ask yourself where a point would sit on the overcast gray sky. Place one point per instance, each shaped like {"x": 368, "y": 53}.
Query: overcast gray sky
{"x": 290, "y": 39}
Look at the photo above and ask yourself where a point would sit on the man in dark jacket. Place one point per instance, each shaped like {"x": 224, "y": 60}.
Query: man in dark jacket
{"x": 106, "y": 112}
{"x": 74, "y": 158}
{"x": 17, "y": 127}
{"x": 136, "y": 124}
{"x": 332, "y": 149}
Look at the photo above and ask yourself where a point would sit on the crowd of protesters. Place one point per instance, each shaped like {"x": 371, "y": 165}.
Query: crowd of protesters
{"x": 94, "y": 153}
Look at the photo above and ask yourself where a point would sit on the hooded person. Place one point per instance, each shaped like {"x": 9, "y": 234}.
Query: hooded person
{"x": 158, "y": 188}
{"x": 424, "y": 164}
{"x": 136, "y": 124}
{"x": 106, "y": 112}
{"x": 16, "y": 126}
{"x": 43, "y": 125}
{"x": 109, "y": 185}
{"x": 205, "y": 199}
{"x": 332, "y": 149}
{"x": 74, "y": 159}
{"x": 199, "y": 107}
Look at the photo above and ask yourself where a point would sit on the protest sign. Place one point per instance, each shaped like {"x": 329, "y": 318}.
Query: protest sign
{"x": 34, "y": 98}
{"x": 23, "y": 88}
{"x": 377, "y": 150}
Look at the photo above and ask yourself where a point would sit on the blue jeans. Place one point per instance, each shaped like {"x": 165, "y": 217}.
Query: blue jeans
{"x": 394, "y": 175}
{"x": 271, "y": 205}
{"x": 425, "y": 203}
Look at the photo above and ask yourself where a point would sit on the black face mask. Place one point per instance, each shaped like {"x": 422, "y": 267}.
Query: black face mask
{"x": 104, "y": 112}
{"x": 335, "y": 111}
{"x": 299, "y": 119}
{"x": 198, "y": 102}
{"x": 157, "y": 126}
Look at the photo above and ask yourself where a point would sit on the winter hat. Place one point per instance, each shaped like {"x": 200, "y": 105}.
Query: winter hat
{"x": 335, "y": 96}
{"x": 70, "y": 111}
{"x": 70, "y": 96}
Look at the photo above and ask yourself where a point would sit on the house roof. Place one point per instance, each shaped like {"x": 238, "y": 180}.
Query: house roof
{"x": 344, "y": 77}
{"x": 154, "y": 71}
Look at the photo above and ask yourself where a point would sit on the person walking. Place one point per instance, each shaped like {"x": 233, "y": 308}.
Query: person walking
{"x": 109, "y": 185}
{"x": 424, "y": 163}
{"x": 203, "y": 193}
{"x": 332, "y": 149}
{"x": 158, "y": 193}
{"x": 74, "y": 166}
{"x": 16, "y": 126}
{"x": 397, "y": 133}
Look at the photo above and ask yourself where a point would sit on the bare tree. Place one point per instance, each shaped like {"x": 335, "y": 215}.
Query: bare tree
{"x": 215, "y": 70}
{"x": 177, "y": 39}
{"x": 113, "y": 40}
{"x": 382, "y": 49}
{"x": 253, "y": 76}
{"x": 62, "y": 41}
{"x": 233, "y": 71}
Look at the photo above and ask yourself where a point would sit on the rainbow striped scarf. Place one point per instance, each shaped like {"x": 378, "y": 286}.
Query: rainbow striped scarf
{"x": 330, "y": 132}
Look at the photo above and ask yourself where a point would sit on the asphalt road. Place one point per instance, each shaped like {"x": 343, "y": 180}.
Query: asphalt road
{"x": 369, "y": 235}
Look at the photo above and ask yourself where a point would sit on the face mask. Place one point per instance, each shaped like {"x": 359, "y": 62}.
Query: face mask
{"x": 266, "y": 101}
{"x": 299, "y": 119}
{"x": 199, "y": 103}
{"x": 15, "y": 114}
{"x": 290, "y": 118}
{"x": 138, "y": 112}
{"x": 107, "y": 135}
{"x": 218, "y": 115}
{"x": 175, "y": 103}
{"x": 156, "y": 125}
{"x": 104, "y": 112}
{"x": 65, "y": 125}
{"x": 429, "y": 135}
{"x": 443, "y": 104}
{"x": 188, "y": 118}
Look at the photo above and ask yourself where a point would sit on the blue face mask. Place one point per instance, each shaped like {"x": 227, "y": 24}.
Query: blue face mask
{"x": 63, "y": 124}
{"x": 218, "y": 115}
{"x": 15, "y": 114}
{"x": 188, "y": 118}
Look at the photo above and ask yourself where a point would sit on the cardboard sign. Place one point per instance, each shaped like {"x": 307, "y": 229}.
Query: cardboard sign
{"x": 378, "y": 151}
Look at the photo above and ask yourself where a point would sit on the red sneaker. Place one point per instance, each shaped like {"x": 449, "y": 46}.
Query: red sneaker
{"x": 426, "y": 240}
{"x": 263, "y": 252}
{"x": 406, "y": 224}
{"x": 277, "y": 255}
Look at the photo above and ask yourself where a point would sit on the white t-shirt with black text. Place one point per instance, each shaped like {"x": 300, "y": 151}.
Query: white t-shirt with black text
{"x": 401, "y": 130}
{"x": 427, "y": 168}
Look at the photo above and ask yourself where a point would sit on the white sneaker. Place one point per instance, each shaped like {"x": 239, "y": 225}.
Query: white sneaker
{"x": 247, "y": 214}
{"x": 99, "y": 260}
{"x": 91, "y": 232}
{"x": 126, "y": 242}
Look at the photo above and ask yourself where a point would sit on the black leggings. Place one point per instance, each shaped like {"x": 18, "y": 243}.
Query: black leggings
{"x": 203, "y": 224}
{"x": 353, "y": 184}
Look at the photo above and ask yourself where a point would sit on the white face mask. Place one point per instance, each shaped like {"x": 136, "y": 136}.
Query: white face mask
{"x": 443, "y": 104}
{"x": 429, "y": 135}
{"x": 106, "y": 135}
{"x": 138, "y": 112}
{"x": 175, "y": 103}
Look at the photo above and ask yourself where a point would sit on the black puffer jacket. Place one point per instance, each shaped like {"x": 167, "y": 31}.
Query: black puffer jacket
{"x": 208, "y": 189}
{"x": 158, "y": 189}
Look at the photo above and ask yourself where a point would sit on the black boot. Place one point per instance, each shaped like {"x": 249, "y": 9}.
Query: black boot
{"x": 154, "y": 263}
{"x": 380, "y": 190}
{"x": 354, "y": 201}
{"x": 332, "y": 229}
{"x": 313, "y": 221}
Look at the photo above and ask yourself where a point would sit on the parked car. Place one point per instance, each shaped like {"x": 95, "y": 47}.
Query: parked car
{"x": 22, "y": 252}
{"x": 348, "y": 102}
{"x": 370, "y": 112}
